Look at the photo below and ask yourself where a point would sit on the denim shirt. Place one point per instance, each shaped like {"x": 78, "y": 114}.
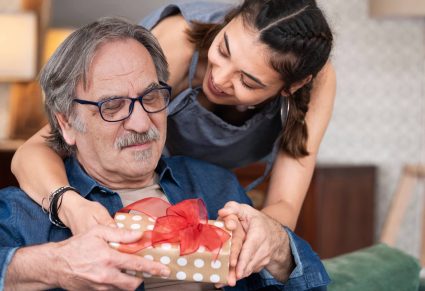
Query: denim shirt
{"x": 23, "y": 223}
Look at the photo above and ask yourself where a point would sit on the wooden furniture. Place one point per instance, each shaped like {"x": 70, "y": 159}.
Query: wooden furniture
{"x": 7, "y": 149}
{"x": 26, "y": 112}
{"x": 338, "y": 213}
{"x": 410, "y": 176}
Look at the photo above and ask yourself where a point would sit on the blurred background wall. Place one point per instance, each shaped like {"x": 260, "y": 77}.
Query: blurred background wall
{"x": 379, "y": 115}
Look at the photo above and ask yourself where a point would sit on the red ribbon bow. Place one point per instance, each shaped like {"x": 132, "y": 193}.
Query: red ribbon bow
{"x": 184, "y": 223}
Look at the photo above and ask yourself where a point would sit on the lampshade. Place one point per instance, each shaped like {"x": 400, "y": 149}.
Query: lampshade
{"x": 53, "y": 38}
{"x": 18, "y": 46}
{"x": 397, "y": 8}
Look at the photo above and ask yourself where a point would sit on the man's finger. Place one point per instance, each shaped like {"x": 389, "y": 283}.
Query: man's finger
{"x": 245, "y": 256}
{"x": 110, "y": 234}
{"x": 249, "y": 249}
{"x": 240, "y": 210}
{"x": 105, "y": 220}
{"x": 137, "y": 263}
{"x": 238, "y": 238}
{"x": 229, "y": 208}
{"x": 230, "y": 222}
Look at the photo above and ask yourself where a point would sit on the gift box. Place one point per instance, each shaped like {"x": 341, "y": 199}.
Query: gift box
{"x": 179, "y": 236}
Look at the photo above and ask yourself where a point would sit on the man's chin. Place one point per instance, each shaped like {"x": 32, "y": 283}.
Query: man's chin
{"x": 143, "y": 156}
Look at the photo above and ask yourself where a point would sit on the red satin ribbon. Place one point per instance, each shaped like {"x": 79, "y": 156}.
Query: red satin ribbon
{"x": 184, "y": 223}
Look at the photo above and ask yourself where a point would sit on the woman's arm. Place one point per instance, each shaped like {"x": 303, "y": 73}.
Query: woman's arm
{"x": 40, "y": 170}
{"x": 291, "y": 177}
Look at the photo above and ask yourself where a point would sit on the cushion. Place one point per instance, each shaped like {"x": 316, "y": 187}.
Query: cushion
{"x": 379, "y": 267}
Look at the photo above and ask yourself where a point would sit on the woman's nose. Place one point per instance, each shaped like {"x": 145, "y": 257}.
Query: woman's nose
{"x": 222, "y": 77}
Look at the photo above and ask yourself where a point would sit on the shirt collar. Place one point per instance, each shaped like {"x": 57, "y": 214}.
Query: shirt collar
{"x": 79, "y": 179}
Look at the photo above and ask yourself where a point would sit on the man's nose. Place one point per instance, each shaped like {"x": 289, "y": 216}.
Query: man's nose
{"x": 139, "y": 120}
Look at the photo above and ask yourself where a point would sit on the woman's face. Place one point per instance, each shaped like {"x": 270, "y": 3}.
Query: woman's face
{"x": 238, "y": 72}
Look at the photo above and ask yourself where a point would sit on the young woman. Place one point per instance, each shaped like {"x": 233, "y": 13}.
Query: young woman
{"x": 250, "y": 83}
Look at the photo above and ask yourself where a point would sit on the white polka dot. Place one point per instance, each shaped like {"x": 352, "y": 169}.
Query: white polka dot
{"x": 114, "y": 244}
{"x": 148, "y": 257}
{"x": 130, "y": 272}
{"x": 201, "y": 249}
{"x": 120, "y": 217}
{"x": 219, "y": 223}
{"x": 181, "y": 261}
{"x": 181, "y": 275}
{"x": 151, "y": 219}
{"x": 137, "y": 218}
{"x": 146, "y": 275}
{"x": 149, "y": 227}
{"x": 199, "y": 263}
{"x": 214, "y": 278}
{"x": 198, "y": 277}
{"x": 166, "y": 246}
{"x": 216, "y": 264}
{"x": 165, "y": 260}
{"x": 120, "y": 225}
{"x": 135, "y": 226}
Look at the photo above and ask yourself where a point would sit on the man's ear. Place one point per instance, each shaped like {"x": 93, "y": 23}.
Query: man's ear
{"x": 68, "y": 132}
{"x": 297, "y": 85}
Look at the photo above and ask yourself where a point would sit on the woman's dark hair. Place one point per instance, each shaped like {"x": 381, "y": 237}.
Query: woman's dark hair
{"x": 300, "y": 42}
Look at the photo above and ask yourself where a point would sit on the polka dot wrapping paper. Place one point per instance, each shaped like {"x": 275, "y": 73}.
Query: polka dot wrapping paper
{"x": 199, "y": 266}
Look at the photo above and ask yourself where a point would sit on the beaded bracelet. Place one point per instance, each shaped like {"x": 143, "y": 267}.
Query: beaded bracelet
{"x": 55, "y": 202}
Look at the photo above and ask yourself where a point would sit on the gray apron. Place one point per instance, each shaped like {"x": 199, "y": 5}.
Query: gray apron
{"x": 196, "y": 132}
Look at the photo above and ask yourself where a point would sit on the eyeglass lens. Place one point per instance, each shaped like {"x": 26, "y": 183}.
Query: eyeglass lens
{"x": 119, "y": 108}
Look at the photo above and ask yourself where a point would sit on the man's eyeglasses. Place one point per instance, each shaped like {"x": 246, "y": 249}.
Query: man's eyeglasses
{"x": 116, "y": 109}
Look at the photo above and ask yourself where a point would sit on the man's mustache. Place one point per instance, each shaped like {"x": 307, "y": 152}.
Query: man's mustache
{"x": 135, "y": 138}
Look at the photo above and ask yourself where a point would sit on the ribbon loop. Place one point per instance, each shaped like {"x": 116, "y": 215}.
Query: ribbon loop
{"x": 185, "y": 223}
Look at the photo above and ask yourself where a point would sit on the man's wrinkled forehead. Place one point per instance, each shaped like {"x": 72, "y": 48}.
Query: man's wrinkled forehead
{"x": 108, "y": 70}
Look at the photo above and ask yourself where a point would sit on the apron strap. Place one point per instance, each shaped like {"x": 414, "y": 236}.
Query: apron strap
{"x": 284, "y": 111}
{"x": 192, "y": 67}
{"x": 176, "y": 104}
{"x": 269, "y": 165}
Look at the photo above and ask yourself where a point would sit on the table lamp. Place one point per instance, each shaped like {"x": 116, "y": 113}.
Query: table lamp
{"x": 18, "y": 46}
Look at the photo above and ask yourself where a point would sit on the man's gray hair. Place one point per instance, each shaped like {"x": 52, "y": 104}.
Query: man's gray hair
{"x": 70, "y": 64}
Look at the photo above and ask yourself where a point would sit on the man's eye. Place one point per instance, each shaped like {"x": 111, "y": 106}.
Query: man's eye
{"x": 113, "y": 105}
{"x": 150, "y": 98}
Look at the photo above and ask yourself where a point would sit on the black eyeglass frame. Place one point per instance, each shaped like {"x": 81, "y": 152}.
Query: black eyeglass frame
{"x": 99, "y": 104}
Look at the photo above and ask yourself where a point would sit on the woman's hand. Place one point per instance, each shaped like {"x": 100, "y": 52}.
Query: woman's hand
{"x": 265, "y": 244}
{"x": 80, "y": 214}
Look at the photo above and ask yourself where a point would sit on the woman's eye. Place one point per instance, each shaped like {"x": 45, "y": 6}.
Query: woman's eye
{"x": 221, "y": 51}
{"x": 249, "y": 87}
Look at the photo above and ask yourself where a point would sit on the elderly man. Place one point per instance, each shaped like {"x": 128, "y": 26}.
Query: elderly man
{"x": 106, "y": 101}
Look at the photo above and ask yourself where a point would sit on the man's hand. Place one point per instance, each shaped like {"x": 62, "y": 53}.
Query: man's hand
{"x": 83, "y": 262}
{"x": 266, "y": 244}
{"x": 80, "y": 214}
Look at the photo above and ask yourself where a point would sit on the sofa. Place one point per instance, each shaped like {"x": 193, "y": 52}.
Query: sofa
{"x": 376, "y": 268}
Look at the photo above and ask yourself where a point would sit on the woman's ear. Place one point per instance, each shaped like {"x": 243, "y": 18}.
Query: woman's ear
{"x": 68, "y": 132}
{"x": 297, "y": 85}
